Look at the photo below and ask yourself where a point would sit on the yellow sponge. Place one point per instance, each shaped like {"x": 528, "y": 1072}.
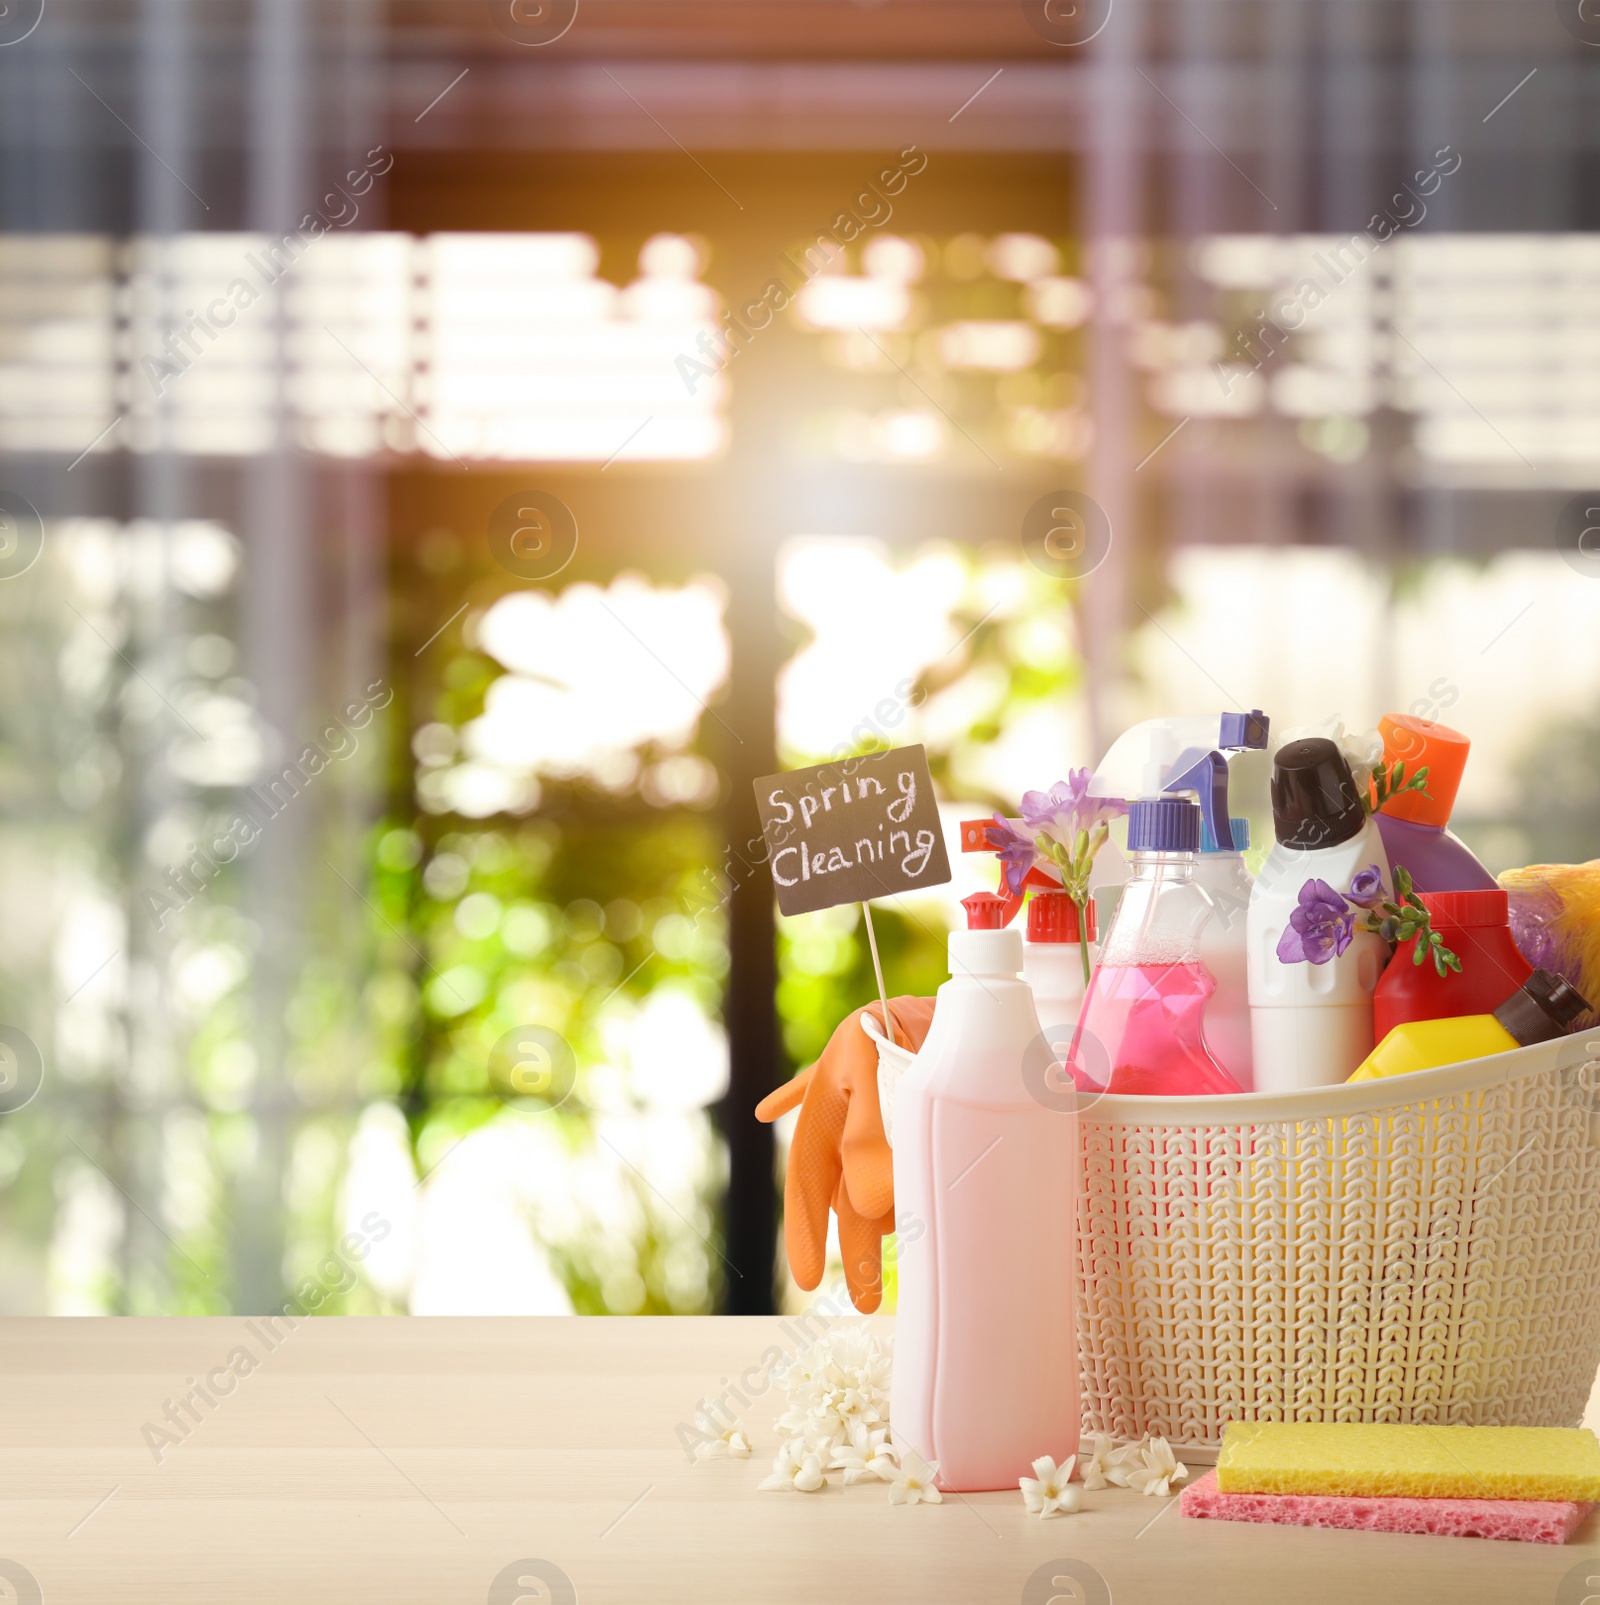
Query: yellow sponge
{"x": 1384, "y": 1460}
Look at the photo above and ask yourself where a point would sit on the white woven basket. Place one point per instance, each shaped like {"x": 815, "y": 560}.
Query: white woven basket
{"x": 1425, "y": 1250}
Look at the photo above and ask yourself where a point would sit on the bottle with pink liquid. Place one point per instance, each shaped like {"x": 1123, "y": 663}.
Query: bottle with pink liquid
{"x": 986, "y": 1160}
{"x": 1142, "y": 1029}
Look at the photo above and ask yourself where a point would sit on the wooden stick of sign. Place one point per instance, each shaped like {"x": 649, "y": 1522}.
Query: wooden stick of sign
{"x": 877, "y": 970}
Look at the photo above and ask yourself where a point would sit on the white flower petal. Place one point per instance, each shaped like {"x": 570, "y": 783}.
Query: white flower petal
{"x": 836, "y": 1409}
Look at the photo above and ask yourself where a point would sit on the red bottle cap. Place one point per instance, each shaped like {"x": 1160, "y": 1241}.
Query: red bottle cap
{"x": 1469, "y": 909}
{"x": 986, "y": 911}
{"x": 1053, "y": 917}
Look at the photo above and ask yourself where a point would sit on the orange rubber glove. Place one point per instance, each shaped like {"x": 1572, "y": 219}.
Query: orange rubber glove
{"x": 840, "y": 1157}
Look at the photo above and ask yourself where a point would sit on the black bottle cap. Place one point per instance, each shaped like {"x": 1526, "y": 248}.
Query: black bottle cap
{"x": 1315, "y": 802}
{"x": 1543, "y": 1007}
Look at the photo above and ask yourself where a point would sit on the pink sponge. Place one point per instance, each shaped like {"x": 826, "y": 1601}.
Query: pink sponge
{"x": 1527, "y": 1521}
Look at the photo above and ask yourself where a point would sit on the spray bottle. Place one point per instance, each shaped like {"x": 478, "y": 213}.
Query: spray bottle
{"x": 1311, "y": 1022}
{"x": 985, "y": 1159}
{"x": 1142, "y": 1029}
{"x": 1052, "y": 964}
{"x": 1221, "y": 874}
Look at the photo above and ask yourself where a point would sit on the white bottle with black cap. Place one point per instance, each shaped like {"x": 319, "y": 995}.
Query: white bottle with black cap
{"x": 1311, "y": 1023}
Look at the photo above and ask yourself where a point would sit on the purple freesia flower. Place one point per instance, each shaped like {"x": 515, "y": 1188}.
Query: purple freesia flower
{"x": 1067, "y": 808}
{"x": 1017, "y": 852}
{"x": 1321, "y": 928}
{"x": 1366, "y": 888}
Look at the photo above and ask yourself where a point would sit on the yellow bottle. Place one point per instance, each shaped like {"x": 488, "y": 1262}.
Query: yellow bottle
{"x": 1544, "y": 1006}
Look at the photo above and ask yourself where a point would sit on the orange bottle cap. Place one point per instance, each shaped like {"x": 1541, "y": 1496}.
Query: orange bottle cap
{"x": 1419, "y": 742}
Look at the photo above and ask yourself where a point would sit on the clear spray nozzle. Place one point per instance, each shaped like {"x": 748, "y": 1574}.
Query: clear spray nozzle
{"x": 1185, "y": 756}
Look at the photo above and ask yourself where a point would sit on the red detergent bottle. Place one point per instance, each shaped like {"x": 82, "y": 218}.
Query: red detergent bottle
{"x": 1475, "y": 926}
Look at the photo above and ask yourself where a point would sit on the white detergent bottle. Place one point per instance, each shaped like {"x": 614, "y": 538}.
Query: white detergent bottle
{"x": 1222, "y": 876}
{"x": 1052, "y": 960}
{"x": 985, "y": 1162}
{"x": 1311, "y": 1023}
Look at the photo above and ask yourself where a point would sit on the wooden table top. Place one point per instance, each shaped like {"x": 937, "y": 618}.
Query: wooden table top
{"x": 441, "y": 1461}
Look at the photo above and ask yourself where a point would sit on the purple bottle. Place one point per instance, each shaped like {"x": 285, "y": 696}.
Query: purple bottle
{"x": 1413, "y": 824}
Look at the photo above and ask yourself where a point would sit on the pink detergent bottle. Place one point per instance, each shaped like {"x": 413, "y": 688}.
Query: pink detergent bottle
{"x": 1142, "y": 1026}
{"x": 985, "y": 1163}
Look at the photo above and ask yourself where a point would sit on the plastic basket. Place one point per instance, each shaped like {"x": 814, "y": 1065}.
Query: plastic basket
{"x": 1348, "y": 1254}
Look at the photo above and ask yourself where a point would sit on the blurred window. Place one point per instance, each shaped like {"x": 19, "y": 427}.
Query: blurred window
{"x": 466, "y": 346}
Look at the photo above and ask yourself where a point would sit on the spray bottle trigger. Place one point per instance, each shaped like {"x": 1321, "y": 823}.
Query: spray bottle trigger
{"x": 1207, "y": 777}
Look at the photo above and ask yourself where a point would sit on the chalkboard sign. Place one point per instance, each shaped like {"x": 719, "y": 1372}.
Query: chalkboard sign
{"x": 847, "y": 831}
